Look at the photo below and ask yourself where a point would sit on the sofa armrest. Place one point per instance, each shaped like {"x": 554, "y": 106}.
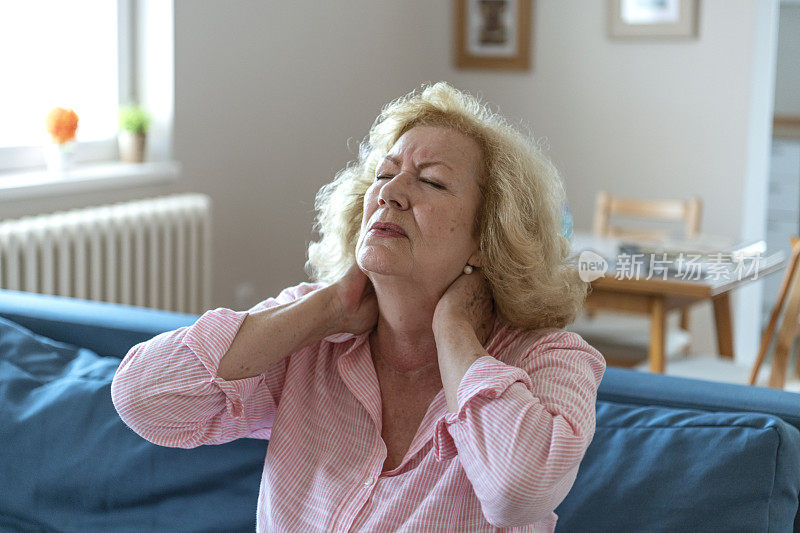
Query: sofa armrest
{"x": 643, "y": 388}
{"x": 105, "y": 328}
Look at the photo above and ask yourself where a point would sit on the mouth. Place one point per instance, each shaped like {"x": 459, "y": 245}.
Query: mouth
{"x": 387, "y": 229}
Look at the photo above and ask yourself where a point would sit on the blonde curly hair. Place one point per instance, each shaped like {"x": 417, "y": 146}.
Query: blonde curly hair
{"x": 525, "y": 256}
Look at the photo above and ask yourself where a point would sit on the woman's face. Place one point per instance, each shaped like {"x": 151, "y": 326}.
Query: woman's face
{"x": 419, "y": 213}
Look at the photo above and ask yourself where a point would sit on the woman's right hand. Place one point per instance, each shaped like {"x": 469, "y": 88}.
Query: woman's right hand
{"x": 354, "y": 302}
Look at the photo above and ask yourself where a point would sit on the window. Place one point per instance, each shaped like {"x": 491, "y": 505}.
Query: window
{"x": 68, "y": 54}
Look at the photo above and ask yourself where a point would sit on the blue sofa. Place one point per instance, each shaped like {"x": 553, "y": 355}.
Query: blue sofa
{"x": 669, "y": 454}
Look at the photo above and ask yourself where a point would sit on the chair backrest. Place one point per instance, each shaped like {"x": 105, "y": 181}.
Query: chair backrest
{"x": 607, "y": 206}
{"x": 790, "y": 326}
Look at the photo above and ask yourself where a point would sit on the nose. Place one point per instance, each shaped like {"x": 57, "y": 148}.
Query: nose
{"x": 394, "y": 193}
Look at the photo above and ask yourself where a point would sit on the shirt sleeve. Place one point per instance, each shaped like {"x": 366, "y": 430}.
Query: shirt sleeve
{"x": 520, "y": 433}
{"x": 167, "y": 389}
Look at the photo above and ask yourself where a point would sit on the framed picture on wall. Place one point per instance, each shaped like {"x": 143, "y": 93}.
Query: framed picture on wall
{"x": 493, "y": 34}
{"x": 652, "y": 18}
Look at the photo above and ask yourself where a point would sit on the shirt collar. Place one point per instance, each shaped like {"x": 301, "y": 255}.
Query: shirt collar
{"x": 339, "y": 337}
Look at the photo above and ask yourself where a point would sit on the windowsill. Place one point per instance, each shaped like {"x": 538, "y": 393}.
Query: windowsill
{"x": 84, "y": 178}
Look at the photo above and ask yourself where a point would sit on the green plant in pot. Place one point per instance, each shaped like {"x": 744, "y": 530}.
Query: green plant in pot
{"x": 134, "y": 122}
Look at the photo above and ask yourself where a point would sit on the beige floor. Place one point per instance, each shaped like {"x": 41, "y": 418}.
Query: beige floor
{"x": 713, "y": 368}
{"x": 607, "y": 333}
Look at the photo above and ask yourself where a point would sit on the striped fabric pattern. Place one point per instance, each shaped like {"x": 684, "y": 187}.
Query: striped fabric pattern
{"x": 503, "y": 462}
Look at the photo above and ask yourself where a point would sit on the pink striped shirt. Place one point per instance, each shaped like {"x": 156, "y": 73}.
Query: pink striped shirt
{"x": 503, "y": 462}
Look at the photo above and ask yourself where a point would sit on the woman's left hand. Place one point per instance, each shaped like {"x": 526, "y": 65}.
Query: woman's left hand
{"x": 468, "y": 299}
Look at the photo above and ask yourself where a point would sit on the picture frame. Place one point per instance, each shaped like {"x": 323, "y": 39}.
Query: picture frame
{"x": 493, "y": 34}
{"x": 652, "y": 19}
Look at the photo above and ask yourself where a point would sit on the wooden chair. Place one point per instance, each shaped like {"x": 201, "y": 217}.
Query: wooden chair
{"x": 625, "y": 334}
{"x": 790, "y": 327}
{"x": 607, "y": 207}
{"x": 717, "y": 368}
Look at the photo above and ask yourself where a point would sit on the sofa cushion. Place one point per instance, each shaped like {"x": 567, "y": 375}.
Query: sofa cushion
{"x": 661, "y": 469}
{"x": 633, "y": 387}
{"x": 70, "y": 464}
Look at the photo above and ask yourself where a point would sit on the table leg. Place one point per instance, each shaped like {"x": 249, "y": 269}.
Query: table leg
{"x": 658, "y": 324}
{"x": 724, "y": 323}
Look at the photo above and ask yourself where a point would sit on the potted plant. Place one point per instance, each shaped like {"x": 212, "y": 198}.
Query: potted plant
{"x": 61, "y": 124}
{"x": 134, "y": 122}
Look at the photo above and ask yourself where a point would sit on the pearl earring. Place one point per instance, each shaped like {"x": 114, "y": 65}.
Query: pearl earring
{"x": 468, "y": 269}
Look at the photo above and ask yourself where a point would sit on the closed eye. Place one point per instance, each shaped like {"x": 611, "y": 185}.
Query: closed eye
{"x": 429, "y": 182}
{"x": 433, "y": 184}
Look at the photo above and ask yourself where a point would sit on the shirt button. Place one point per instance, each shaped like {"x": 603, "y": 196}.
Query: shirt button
{"x": 368, "y": 482}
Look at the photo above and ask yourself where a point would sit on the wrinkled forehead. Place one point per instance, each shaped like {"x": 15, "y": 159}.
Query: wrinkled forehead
{"x": 435, "y": 143}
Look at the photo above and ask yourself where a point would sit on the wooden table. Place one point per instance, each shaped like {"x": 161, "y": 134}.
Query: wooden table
{"x": 657, "y": 296}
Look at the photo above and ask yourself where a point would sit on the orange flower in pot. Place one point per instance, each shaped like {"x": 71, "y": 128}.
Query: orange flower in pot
{"x": 62, "y": 125}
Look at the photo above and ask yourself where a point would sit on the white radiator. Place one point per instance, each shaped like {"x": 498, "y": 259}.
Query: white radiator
{"x": 151, "y": 253}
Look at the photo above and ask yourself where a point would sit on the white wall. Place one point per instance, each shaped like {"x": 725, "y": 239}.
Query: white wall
{"x": 269, "y": 93}
{"x": 787, "y": 80}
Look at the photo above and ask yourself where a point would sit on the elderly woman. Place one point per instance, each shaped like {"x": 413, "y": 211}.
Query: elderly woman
{"x": 423, "y": 382}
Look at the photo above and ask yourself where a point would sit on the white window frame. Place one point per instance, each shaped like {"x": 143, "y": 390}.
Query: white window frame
{"x": 146, "y": 76}
{"x": 21, "y": 158}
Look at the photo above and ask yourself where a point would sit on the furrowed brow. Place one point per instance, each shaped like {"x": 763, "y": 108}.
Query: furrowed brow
{"x": 421, "y": 165}
{"x": 431, "y": 163}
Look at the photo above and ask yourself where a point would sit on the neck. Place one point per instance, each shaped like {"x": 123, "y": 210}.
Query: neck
{"x": 403, "y": 345}
{"x": 402, "y": 342}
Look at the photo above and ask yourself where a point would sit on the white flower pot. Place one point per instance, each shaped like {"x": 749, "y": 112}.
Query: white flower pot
{"x": 131, "y": 146}
{"x": 60, "y": 158}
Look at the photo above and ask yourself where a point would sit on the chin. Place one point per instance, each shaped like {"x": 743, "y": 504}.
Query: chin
{"x": 377, "y": 261}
